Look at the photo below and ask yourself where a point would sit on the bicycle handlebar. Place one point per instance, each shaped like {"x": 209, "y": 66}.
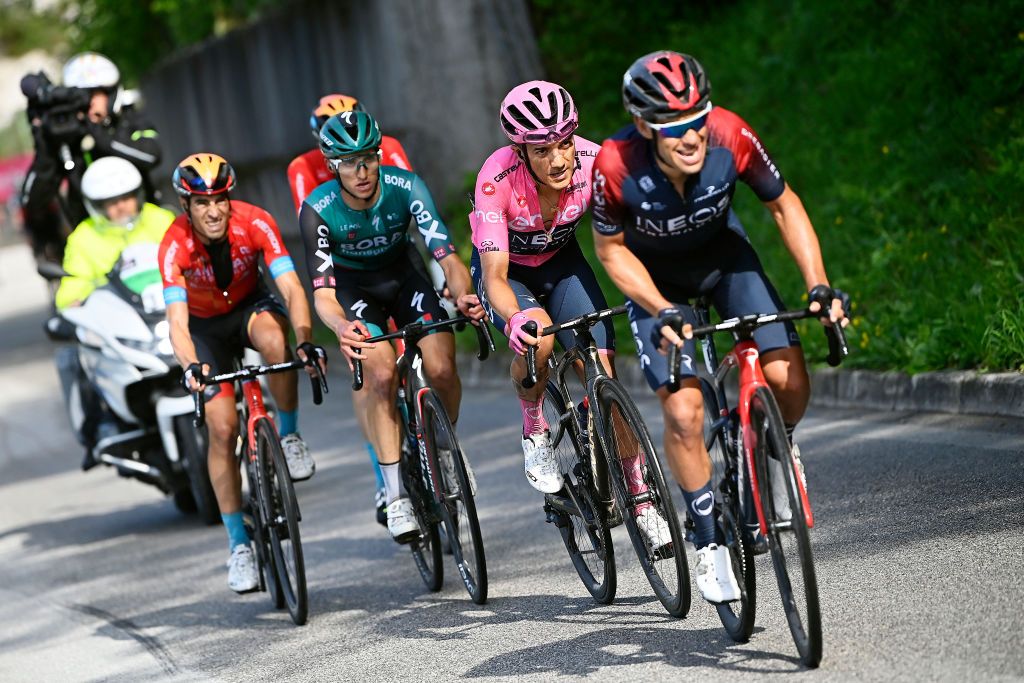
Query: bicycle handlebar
{"x": 837, "y": 348}
{"x": 415, "y": 331}
{"x": 588, "y": 320}
{"x": 319, "y": 382}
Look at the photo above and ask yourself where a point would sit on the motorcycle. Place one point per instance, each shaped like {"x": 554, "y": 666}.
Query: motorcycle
{"x": 123, "y": 369}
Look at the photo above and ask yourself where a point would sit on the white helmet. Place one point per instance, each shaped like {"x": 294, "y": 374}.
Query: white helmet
{"x": 107, "y": 178}
{"x": 91, "y": 70}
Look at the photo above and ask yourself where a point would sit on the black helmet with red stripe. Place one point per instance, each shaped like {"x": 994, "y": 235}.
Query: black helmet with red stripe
{"x": 664, "y": 86}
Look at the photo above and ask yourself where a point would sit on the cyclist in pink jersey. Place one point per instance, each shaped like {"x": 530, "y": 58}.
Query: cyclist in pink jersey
{"x": 527, "y": 265}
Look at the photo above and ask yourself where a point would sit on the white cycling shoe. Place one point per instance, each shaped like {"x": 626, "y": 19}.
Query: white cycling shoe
{"x": 540, "y": 463}
{"x": 242, "y": 574}
{"x": 654, "y": 529}
{"x": 715, "y": 578}
{"x": 296, "y": 453}
{"x": 402, "y": 522}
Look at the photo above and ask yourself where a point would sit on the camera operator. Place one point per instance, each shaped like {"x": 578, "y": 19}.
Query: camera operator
{"x": 87, "y": 118}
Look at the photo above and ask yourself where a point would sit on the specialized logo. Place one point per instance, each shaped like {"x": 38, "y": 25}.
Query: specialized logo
{"x": 487, "y": 189}
{"x": 358, "y": 308}
{"x": 376, "y": 222}
{"x": 417, "y": 301}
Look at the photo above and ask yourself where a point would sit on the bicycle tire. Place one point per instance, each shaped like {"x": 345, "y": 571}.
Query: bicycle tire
{"x": 278, "y": 495}
{"x": 454, "y": 497}
{"x": 586, "y": 534}
{"x": 771, "y": 442}
{"x": 426, "y": 550}
{"x": 623, "y": 429}
{"x": 192, "y": 451}
{"x": 264, "y": 558}
{"x": 737, "y": 617}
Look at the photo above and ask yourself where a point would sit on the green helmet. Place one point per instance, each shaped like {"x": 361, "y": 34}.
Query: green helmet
{"x": 347, "y": 133}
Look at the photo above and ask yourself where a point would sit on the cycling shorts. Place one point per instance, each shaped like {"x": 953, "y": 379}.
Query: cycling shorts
{"x": 564, "y": 286}
{"x": 401, "y": 290}
{"x": 738, "y": 288}
{"x": 221, "y": 340}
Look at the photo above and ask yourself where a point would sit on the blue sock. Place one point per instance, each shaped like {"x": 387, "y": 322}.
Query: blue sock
{"x": 237, "y": 535}
{"x": 289, "y": 421}
{"x": 700, "y": 505}
{"x": 376, "y": 465}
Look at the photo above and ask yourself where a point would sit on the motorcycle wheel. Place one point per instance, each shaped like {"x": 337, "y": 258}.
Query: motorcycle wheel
{"x": 192, "y": 449}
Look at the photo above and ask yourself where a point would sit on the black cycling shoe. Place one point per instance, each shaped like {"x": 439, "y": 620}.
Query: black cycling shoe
{"x": 88, "y": 462}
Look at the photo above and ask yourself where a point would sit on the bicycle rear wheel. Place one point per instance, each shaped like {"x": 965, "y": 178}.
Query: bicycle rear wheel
{"x": 454, "y": 494}
{"x": 788, "y": 537}
{"x": 737, "y": 617}
{"x": 580, "y": 519}
{"x": 426, "y": 550}
{"x": 282, "y": 520}
{"x": 625, "y": 438}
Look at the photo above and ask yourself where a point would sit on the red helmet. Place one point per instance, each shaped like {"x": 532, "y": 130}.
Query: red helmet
{"x": 664, "y": 86}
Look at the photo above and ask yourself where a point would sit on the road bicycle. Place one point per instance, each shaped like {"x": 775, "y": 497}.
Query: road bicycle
{"x": 435, "y": 471}
{"x": 761, "y": 490}
{"x": 596, "y": 439}
{"x": 274, "y": 514}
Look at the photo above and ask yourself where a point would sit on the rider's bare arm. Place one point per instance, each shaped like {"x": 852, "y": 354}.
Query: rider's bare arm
{"x": 628, "y": 272}
{"x": 181, "y": 339}
{"x": 460, "y": 285}
{"x": 297, "y": 305}
{"x": 499, "y": 294}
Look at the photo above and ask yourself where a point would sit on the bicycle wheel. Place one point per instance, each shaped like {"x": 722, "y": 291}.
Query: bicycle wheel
{"x": 453, "y": 492}
{"x": 257, "y": 531}
{"x": 579, "y": 518}
{"x": 788, "y": 537}
{"x": 737, "y": 617}
{"x": 282, "y": 520}
{"x": 625, "y": 438}
{"x": 426, "y": 550}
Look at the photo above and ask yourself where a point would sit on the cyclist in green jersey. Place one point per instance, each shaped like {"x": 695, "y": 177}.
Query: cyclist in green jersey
{"x": 364, "y": 268}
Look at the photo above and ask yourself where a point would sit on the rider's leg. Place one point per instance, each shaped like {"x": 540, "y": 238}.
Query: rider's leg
{"x": 439, "y": 366}
{"x": 225, "y": 475}
{"x": 786, "y": 373}
{"x": 268, "y": 333}
{"x": 375, "y": 406}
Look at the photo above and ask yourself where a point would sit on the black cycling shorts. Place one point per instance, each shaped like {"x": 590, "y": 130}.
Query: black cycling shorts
{"x": 221, "y": 340}
{"x": 564, "y": 286}
{"x": 738, "y": 286}
{"x": 401, "y": 290}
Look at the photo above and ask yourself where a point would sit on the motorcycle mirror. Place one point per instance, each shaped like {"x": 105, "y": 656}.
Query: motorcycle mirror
{"x": 58, "y": 329}
{"x": 50, "y": 270}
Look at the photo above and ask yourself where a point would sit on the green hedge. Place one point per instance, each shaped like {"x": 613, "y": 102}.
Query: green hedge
{"x": 899, "y": 124}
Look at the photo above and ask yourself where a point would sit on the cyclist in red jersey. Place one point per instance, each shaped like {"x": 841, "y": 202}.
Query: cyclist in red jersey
{"x": 217, "y": 304}
{"x": 666, "y": 233}
{"x": 305, "y": 173}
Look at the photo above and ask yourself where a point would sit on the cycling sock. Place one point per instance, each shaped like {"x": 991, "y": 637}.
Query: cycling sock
{"x": 700, "y": 505}
{"x": 237, "y": 533}
{"x": 633, "y": 468}
{"x": 391, "y": 486}
{"x": 789, "y": 433}
{"x": 533, "y": 416}
{"x": 376, "y": 465}
{"x": 289, "y": 421}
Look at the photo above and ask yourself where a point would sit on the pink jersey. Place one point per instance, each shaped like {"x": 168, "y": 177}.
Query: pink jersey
{"x": 507, "y": 215}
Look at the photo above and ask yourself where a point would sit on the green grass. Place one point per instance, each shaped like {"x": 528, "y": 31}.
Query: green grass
{"x": 900, "y": 125}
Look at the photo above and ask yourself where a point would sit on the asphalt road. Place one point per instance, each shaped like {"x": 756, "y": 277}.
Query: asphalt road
{"x": 918, "y": 546}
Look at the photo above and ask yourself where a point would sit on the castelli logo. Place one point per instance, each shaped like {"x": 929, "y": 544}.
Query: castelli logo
{"x": 487, "y": 189}
{"x": 521, "y": 201}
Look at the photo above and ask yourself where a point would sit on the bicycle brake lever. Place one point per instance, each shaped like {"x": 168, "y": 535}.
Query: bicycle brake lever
{"x": 484, "y": 340}
{"x": 357, "y": 373}
{"x": 531, "y": 357}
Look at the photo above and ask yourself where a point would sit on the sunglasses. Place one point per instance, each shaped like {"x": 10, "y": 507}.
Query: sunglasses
{"x": 546, "y": 136}
{"x": 354, "y": 162}
{"x": 677, "y": 129}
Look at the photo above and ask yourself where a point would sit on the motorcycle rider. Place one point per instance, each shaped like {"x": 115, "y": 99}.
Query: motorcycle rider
{"x": 90, "y": 117}
{"x": 118, "y": 217}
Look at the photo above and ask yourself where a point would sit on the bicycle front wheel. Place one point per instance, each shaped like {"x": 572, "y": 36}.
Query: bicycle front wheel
{"x": 639, "y": 484}
{"x": 282, "y": 520}
{"x": 788, "y": 536}
{"x": 737, "y": 617}
{"x": 426, "y": 550}
{"x": 580, "y": 518}
{"x": 454, "y": 491}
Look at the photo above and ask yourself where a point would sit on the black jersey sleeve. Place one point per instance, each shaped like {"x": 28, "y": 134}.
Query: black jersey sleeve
{"x": 316, "y": 240}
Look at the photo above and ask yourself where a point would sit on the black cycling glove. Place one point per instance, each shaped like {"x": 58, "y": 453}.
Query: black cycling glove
{"x": 824, "y": 295}
{"x": 312, "y": 351}
{"x": 673, "y": 317}
{"x": 194, "y": 370}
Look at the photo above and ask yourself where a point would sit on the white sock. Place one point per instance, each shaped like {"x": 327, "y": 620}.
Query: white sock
{"x": 392, "y": 487}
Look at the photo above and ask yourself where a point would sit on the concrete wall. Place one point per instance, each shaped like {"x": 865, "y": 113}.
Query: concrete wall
{"x": 431, "y": 71}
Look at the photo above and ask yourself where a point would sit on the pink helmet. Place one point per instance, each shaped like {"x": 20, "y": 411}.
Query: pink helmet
{"x": 538, "y": 113}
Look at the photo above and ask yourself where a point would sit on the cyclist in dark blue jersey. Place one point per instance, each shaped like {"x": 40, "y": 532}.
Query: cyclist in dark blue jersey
{"x": 666, "y": 233}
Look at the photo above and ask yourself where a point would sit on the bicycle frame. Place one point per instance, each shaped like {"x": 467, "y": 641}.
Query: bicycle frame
{"x": 253, "y": 409}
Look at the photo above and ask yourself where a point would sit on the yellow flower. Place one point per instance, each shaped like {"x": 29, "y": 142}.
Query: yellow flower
{"x": 924, "y": 256}
{"x": 885, "y": 149}
{"x": 839, "y": 220}
{"x": 864, "y": 340}
{"x": 944, "y": 229}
